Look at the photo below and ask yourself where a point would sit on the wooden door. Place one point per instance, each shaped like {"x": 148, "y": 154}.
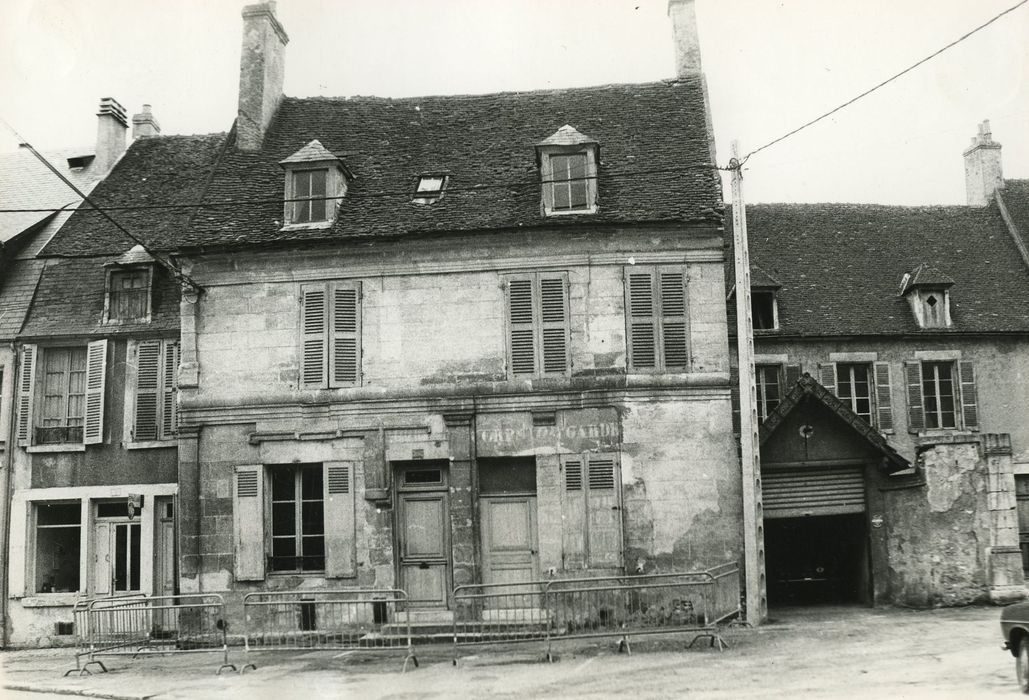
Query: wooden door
{"x": 102, "y": 553}
{"x": 509, "y": 539}
{"x": 424, "y": 564}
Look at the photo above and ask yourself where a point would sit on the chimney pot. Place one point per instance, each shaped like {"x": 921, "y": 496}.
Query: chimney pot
{"x": 983, "y": 175}
{"x": 144, "y": 125}
{"x": 262, "y": 68}
{"x": 110, "y": 135}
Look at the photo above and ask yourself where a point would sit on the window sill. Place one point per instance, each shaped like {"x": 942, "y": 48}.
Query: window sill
{"x": 41, "y": 449}
{"x": 126, "y": 321}
{"x": 50, "y": 600}
{"x": 570, "y": 212}
{"x": 149, "y": 444}
{"x": 314, "y": 225}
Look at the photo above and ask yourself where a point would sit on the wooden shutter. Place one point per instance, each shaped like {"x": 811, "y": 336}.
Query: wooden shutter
{"x": 345, "y": 341}
{"x": 248, "y": 522}
{"x": 522, "y": 334}
{"x": 102, "y": 554}
{"x": 827, "y": 375}
{"x": 313, "y": 324}
{"x": 604, "y": 525}
{"x": 639, "y": 303}
{"x": 913, "y": 380}
{"x": 883, "y": 397}
{"x": 674, "y": 345}
{"x": 340, "y": 545}
{"x": 969, "y": 408}
{"x": 26, "y": 391}
{"x": 793, "y": 375}
{"x": 573, "y": 521}
{"x": 96, "y": 374}
{"x": 169, "y": 389}
{"x": 148, "y": 386}
{"x": 553, "y": 295}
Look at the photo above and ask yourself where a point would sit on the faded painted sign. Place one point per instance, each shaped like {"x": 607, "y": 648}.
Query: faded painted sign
{"x": 573, "y": 431}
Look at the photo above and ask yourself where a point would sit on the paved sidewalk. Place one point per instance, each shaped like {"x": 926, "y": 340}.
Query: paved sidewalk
{"x": 821, "y": 652}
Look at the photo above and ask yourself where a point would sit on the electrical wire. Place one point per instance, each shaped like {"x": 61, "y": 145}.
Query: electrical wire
{"x": 885, "y": 82}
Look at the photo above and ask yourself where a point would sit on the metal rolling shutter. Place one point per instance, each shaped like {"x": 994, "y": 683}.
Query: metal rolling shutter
{"x": 793, "y": 493}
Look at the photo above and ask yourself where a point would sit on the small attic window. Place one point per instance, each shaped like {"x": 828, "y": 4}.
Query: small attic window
{"x": 429, "y": 189}
{"x": 928, "y": 293}
{"x": 568, "y": 172}
{"x": 128, "y": 295}
{"x": 316, "y": 181}
{"x": 763, "y": 310}
{"x": 78, "y": 162}
{"x": 308, "y": 196}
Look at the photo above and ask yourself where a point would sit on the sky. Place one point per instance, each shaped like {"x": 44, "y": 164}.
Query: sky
{"x": 771, "y": 65}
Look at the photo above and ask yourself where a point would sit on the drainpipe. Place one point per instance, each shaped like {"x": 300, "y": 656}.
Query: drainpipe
{"x": 5, "y": 492}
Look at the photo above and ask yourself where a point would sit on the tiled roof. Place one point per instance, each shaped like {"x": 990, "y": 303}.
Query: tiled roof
{"x": 840, "y": 266}
{"x": 927, "y": 276}
{"x": 70, "y": 301}
{"x": 311, "y": 153}
{"x": 1016, "y": 199}
{"x": 19, "y": 285}
{"x": 159, "y": 170}
{"x": 25, "y": 183}
{"x": 567, "y": 135}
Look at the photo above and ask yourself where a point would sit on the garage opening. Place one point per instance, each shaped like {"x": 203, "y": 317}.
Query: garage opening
{"x": 816, "y": 536}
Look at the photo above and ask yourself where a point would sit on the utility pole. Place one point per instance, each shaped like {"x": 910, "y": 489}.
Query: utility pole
{"x": 750, "y": 456}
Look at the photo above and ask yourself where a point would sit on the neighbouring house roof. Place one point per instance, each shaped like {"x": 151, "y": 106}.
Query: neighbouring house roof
{"x": 807, "y": 388}
{"x": 840, "y": 266}
{"x": 1016, "y": 199}
{"x": 485, "y": 143}
{"x": 19, "y": 286}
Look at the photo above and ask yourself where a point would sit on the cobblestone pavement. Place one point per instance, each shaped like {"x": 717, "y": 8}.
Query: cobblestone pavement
{"x": 812, "y": 653}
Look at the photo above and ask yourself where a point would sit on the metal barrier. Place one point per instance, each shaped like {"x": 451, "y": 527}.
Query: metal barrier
{"x": 602, "y": 606}
{"x": 354, "y": 619}
{"x": 136, "y": 625}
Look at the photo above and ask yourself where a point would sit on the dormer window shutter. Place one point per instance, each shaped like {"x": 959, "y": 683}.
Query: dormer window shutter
{"x": 345, "y": 341}
{"x": 26, "y": 393}
{"x": 313, "y": 323}
{"x": 916, "y": 411}
{"x": 969, "y": 407}
{"x": 96, "y": 376}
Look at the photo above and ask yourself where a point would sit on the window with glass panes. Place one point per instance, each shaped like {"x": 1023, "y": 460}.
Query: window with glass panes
{"x": 297, "y": 518}
{"x": 568, "y": 175}
{"x": 58, "y": 534}
{"x": 766, "y": 381}
{"x": 854, "y": 388}
{"x": 309, "y": 193}
{"x": 938, "y": 395}
{"x": 64, "y": 392}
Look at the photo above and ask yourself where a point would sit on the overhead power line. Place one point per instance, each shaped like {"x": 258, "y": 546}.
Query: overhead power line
{"x": 885, "y": 82}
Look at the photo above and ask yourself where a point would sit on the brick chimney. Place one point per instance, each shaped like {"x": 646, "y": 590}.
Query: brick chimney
{"x": 111, "y": 129}
{"x": 982, "y": 167}
{"x": 684, "y": 34}
{"x": 261, "y": 69}
{"x": 144, "y": 124}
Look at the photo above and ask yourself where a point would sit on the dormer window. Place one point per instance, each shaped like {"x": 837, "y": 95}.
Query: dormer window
{"x": 316, "y": 182}
{"x": 429, "y": 189}
{"x": 763, "y": 311}
{"x": 568, "y": 171}
{"x": 928, "y": 294}
{"x": 129, "y": 284}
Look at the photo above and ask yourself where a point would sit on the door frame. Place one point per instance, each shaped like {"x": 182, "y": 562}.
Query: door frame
{"x": 402, "y": 489}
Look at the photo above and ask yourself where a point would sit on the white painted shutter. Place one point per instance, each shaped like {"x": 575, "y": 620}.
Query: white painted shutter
{"x": 553, "y": 295}
{"x": 313, "y": 324}
{"x": 916, "y": 411}
{"x": 827, "y": 376}
{"x": 674, "y": 344}
{"x": 248, "y": 522}
{"x": 345, "y": 340}
{"x": 170, "y": 388}
{"x": 969, "y": 407}
{"x": 148, "y": 385}
{"x": 26, "y": 392}
{"x": 604, "y": 527}
{"x": 340, "y": 531}
{"x": 639, "y": 306}
{"x": 883, "y": 397}
{"x": 96, "y": 378}
{"x": 102, "y": 558}
{"x": 573, "y": 516}
{"x": 522, "y": 333}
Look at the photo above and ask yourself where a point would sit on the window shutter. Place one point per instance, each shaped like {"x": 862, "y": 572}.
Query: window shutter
{"x": 604, "y": 528}
{"x": 148, "y": 384}
{"x": 969, "y": 408}
{"x": 248, "y": 522}
{"x": 573, "y": 522}
{"x": 26, "y": 391}
{"x": 793, "y": 375}
{"x": 554, "y": 324}
{"x": 169, "y": 412}
{"x": 640, "y": 312}
{"x": 673, "y": 320}
{"x": 96, "y": 374}
{"x": 883, "y": 397}
{"x": 827, "y": 376}
{"x": 916, "y": 411}
{"x": 522, "y": 341}
{"x": 340, "y": 545}
{"x": 102, "y": 564}
{"x": 345, "y": 342}
{"x": 313, "y": 322}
